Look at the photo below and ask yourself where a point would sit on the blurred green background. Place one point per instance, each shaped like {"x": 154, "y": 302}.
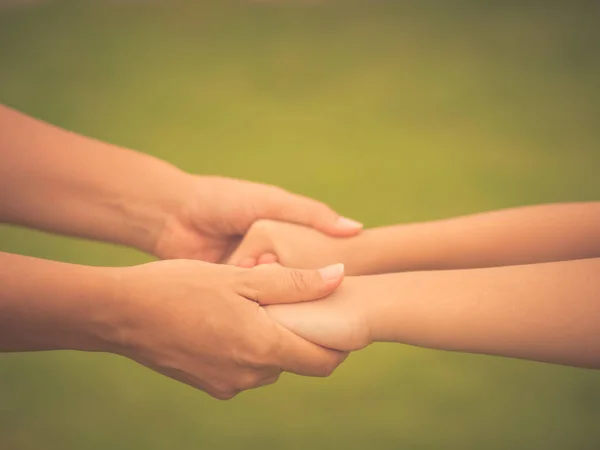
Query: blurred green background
{"x": 389, "y": 111}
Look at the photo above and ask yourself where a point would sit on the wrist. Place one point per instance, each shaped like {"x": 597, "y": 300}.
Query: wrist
{"x": 415, "y": 308}
{"x": 399, "y": 248}
{"x": 47, "y": 305}
{"x": 93, "y": 319}
{"x": 367, "y": 298}
{"x": 153, "y": 204}
{"x": 117, "y": 324}
{"x": 381, "y": 305}
{"x": 364, "y": 254}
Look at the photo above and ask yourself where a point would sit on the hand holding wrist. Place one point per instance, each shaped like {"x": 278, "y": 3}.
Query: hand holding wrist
{"x": 215, "y": 213}
{"x": 196, "y": 322}
{"x": 341, "y": 321}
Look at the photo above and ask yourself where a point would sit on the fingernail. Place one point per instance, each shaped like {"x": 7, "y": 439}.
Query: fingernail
{"x": 344, "y": 222}
{"x": 332, "y": 273}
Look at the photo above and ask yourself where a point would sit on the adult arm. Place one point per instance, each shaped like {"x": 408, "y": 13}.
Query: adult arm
{"x": 59, "y": 181}
{"x": 192, "y": 321}
{"x": 526, "y": 235}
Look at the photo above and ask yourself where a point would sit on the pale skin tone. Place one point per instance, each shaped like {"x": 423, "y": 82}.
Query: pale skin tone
{"x": 187, "y": 319}
{"x": 522, "y": 283}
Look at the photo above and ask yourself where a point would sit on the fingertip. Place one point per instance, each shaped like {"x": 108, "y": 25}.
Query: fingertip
{"x": 248, "y": 262}
{"x": 267, "y": 258}
{"x": 350, "y": 225}
{"x": 341, "y": 227}
{"x": 332, "y": 275}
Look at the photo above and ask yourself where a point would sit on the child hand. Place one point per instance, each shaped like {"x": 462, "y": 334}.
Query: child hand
{"x": 340, "y": 321}
{"x": 290, "y": 245}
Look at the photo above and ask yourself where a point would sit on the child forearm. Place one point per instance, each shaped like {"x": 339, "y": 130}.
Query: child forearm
{"x": 544, "y": 312}
{"x": 524, "y": 235}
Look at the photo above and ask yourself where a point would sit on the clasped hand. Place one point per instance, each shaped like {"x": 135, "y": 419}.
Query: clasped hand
{"x": 203, "y": 323}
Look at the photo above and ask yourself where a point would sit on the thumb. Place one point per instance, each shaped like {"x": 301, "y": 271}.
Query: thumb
{"x": 274, "y": 284}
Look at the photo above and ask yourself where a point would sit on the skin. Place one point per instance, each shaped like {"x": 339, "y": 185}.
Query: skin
{"x": 195, "y": 322}
{"x": 525, "y": 235}
{"x": 520, "y": 283}
{"x": 65, "y": 183}
{"x": 543, "y": 312}
{"x": 186, "y": 319}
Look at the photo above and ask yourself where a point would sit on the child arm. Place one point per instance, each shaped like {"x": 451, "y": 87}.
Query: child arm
{"x": 526, "y": 235}
{"x": 544, "y": 312}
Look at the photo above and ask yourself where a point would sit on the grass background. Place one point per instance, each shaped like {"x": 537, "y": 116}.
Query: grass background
{"x": 390, "y": 111}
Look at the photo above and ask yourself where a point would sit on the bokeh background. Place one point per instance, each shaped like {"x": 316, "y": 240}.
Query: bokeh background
{"x": 390, "y": 111}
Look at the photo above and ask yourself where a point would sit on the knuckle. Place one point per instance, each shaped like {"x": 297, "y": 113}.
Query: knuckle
{"x": 223, "y": 395}
{"x": 298, "y": 280}
{"x": 248, "y": 381}
{"x": 223, "y": 390}
{"x": 273, "y": 200}
{"x": 261, "y": 227}
{"x": 319, "y": 212}
{"x": 247, "y": 284}
{"x": 273, "y": 379}
{"x": 277, "y": 192}
{"x": 327, "y": 369}
{"x": 325, "y": 372}
{"x": 263, "y": 353}
{"x": 252, "y": 293}
{"x": 324, "y": 208}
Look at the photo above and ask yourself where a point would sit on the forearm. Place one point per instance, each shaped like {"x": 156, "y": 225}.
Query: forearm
{"x": 524, "y": 235}
{"x": 546, "y": 312}
{"x": 45, "y": 305}
{"x": 58, "y": 181}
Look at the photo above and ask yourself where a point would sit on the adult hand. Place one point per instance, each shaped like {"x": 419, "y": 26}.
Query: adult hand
{"x": 82, "y": 187}
{"x": 216, "y": 212}
{"x": 203, "y": 324}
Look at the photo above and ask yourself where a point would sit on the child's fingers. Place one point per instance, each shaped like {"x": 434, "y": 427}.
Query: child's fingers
{"x": 252, "y": 247}
{"x": 267, "y": 258}
{"x": 248, "y": 262}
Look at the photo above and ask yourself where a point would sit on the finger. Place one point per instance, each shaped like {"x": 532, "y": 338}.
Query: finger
{"x": 305, "y": 358}
{"x": 273, "y": 284}
{"x": 248, "y": 262}
{"x": 301, "y": 210}
{"x": 254, "y": 244}
{"x": 269, "y": 380}
{"x": 267, "y": 258}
